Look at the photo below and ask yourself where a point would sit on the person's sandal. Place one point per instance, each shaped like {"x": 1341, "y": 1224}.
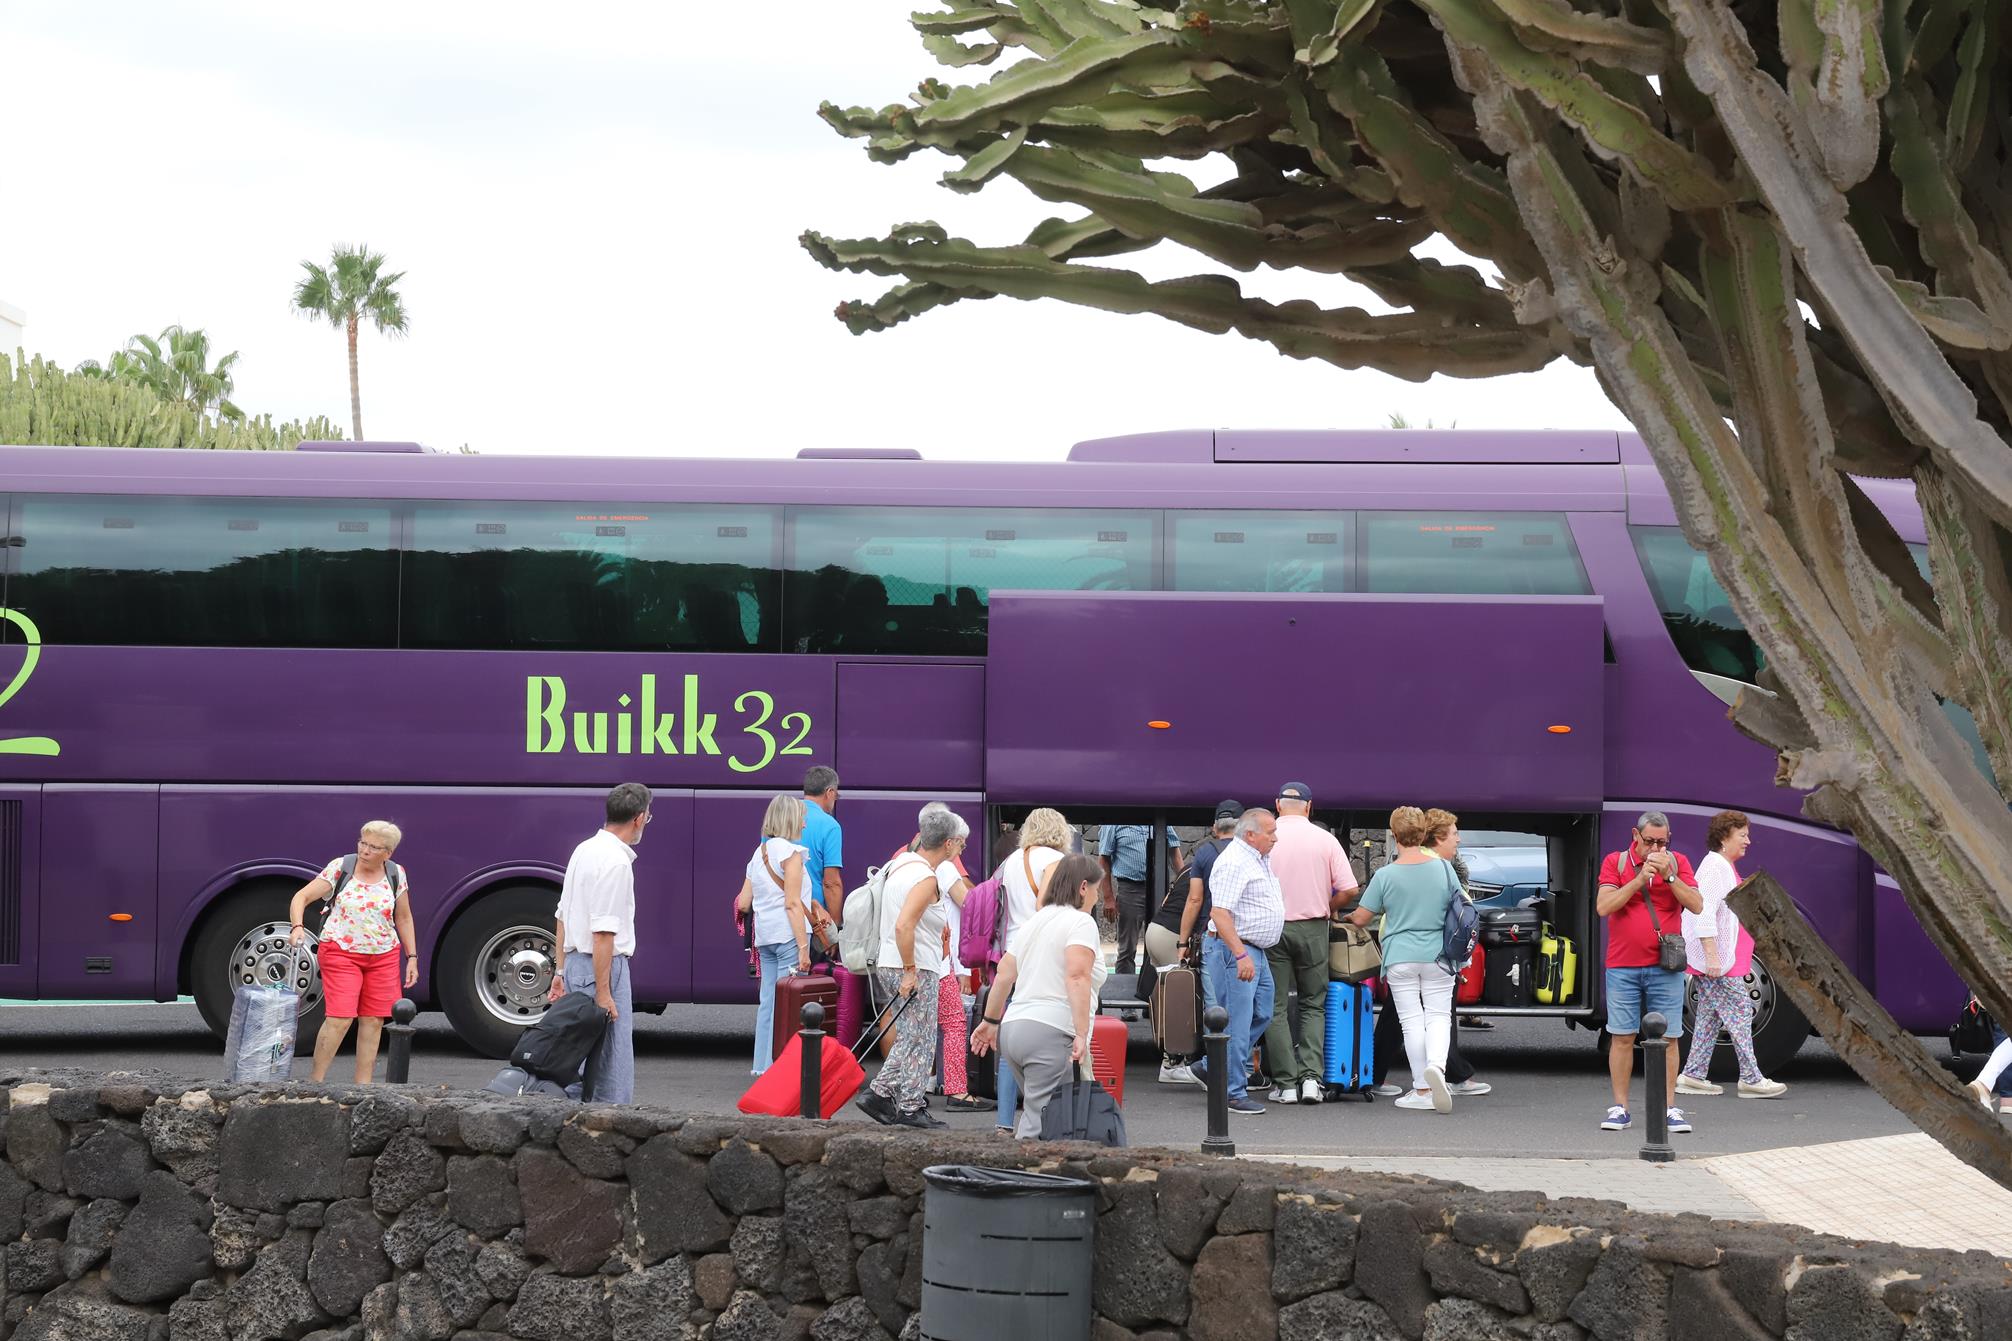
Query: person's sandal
{"x": 968, "y": 1103}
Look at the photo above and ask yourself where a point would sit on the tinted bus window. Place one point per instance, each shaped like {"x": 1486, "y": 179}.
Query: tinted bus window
{"x": 916, "y": 580}
{"x": 206, "y": 572}
{"x": 1262, "y": 551}
{"x": 1471, "y": 554}
{"x": 591, "y": 577}
{"x": 1708, "y": 634}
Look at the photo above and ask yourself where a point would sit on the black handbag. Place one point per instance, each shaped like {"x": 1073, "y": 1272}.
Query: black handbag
{"x": 1972, "y": 1030}
{"x": 1082, "y": 1110}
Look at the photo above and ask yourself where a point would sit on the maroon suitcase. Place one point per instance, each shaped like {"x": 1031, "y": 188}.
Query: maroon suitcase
{"x": 795, "y": 992}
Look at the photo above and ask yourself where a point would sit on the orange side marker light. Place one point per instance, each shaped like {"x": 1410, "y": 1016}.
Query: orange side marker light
{"x": 122, "y": 917}
{"x": 1559, "y": 730}
{"x": 1159, "y": 726}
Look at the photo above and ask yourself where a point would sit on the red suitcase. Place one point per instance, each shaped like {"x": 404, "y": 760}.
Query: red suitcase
{"x": 795, "y": 992}
{"x": 1108, "y": 1037}
{"x": 1471, "y": 977}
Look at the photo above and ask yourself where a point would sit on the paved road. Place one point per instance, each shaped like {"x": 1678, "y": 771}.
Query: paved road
{"x": 1549, "y": 1092}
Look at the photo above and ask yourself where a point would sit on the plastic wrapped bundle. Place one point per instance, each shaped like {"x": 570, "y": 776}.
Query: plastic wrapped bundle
{"x": 259, "y": 1045}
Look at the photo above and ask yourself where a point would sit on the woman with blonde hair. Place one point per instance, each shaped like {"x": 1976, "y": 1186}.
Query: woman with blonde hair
{"x": 369, "y": 921}
{"x": 773, "y": 895}
{"x": 1412, "y": 893}
{"x": 1045, "y": 839}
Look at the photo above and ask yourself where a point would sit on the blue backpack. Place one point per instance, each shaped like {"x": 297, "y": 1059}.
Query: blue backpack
{"x": 1461, "y": 930}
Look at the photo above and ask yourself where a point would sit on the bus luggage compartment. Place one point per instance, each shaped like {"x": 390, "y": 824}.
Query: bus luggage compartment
{"x": 1178, "y": 699}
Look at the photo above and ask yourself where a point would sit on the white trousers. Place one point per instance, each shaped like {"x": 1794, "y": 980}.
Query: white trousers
{"x": 1423, "y": 995}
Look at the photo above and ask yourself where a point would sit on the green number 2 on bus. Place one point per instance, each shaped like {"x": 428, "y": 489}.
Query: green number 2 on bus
{"x": 759, "y": 730}
{"x": 32, "y": 654}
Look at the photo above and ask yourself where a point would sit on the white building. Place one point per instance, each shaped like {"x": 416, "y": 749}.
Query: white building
{"x": 12, "y": 319}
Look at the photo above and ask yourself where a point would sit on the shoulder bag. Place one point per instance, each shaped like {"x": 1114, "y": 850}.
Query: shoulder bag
{"x": 1670, "y": 952}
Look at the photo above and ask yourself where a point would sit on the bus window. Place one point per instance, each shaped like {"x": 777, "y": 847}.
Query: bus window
{"x": 1471, "y": 554}
{"x": 205, "y": 572}
{"x": 632, "y": 577}
{"x": 916, "y": 581}
{"x": 1262, "y": 551}
{"x": 1708, "y": 634}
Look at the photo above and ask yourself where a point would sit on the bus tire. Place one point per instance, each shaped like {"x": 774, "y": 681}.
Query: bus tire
{"x": 1779, "y": 1029}
{"x": 494, "y": 966}
{"x": 242, "y": 941}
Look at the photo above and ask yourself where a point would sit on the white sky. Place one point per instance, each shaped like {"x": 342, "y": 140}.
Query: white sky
{"x": 596, "y": 207}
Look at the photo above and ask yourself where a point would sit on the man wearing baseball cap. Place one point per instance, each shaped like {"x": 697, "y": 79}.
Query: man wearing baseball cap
{"x": 1315, "y": 878}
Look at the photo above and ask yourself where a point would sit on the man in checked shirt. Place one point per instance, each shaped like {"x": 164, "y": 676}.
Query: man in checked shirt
{"x": 1247, "y": 919}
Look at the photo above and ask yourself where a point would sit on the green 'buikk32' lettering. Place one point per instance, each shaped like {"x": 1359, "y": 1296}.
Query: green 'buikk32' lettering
{"x": 639, "y": 728}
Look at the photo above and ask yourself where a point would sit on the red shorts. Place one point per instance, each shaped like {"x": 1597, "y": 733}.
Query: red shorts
{"x": 358, "y": 985}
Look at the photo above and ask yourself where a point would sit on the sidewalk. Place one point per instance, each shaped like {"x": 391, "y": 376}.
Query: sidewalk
{"x": 1896, "y": 1189}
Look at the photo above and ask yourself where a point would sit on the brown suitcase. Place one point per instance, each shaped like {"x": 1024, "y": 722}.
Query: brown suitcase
{"x": 795, "y": 992}
{"x": 1177, "y": 1008}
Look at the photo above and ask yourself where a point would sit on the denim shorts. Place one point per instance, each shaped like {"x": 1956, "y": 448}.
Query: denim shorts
{"x": 1634, "y": 992}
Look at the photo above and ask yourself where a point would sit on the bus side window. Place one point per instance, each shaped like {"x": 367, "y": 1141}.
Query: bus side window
{"x": 1699, "y": 615}
{"x": 591, "y": 577}
{"x": 918, "y": 581}
{"x": 205, "y": 572}
{"x": 1471, "y": 554}
{"x": 1262, "y": 551}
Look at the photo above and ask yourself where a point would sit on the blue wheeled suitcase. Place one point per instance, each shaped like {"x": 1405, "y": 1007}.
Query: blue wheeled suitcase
{"x": 1348, "y": 1058}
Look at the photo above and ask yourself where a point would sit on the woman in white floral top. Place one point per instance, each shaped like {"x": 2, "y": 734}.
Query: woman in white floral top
{"x": 368, "y": 925}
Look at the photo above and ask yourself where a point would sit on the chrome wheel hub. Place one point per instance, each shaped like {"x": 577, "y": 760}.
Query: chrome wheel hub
{"x": 1760, "y": 989}
{"x": 264, "y": 957}
{"x": 513, "y": 974}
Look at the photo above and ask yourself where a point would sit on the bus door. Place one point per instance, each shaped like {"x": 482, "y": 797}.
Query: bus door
{"x": 20, "y": 880}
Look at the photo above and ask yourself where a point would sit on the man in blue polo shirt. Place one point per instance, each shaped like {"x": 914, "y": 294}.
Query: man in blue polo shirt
{"x": 823, "y": 853}
{"x": 1124, "y": 848}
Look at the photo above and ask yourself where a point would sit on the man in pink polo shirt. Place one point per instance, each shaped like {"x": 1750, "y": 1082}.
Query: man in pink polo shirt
{"x": 1314, "y": 876}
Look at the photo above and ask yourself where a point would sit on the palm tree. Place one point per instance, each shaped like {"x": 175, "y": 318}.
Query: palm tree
{"x": 345, "y": 292}
{"x": 176, "y": 367}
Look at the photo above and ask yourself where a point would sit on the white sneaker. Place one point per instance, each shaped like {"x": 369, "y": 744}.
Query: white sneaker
{"x": 1310, "y": 1091}
{"x": 1442, "y": 1098}
{"x": 1178, "y": 1073}
{"x": 1763, "y": 1089}
{"x": 1284, "y": 1095}
{"x": 1471, "y": 1087}
{"x": 1687, "y": 1084}
{"x": 1418, "y": 1103}
{"x": 1387, "y": 1091}
{"x": 1980, "y": 1092}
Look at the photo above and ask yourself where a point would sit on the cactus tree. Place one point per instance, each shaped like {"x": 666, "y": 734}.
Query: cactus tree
{"x": 1777, "y": 231}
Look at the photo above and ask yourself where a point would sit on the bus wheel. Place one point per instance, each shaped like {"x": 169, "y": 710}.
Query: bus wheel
{"x": 494, "y": 971}
{"x": 244, "y": 942}
{"x": 1778, "y": 1030}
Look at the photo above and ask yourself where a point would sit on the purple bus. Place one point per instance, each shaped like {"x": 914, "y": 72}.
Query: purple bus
{"x": 214, "y": 666}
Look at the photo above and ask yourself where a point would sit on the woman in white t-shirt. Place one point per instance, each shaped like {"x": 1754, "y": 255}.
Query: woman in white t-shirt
{"x": 910, "y": 964}
{"x": 773, "y": 895}
{"x": 1044, "y": 840}
{"x": 1712, "y": 942}
{"x": 1053, "y": 967}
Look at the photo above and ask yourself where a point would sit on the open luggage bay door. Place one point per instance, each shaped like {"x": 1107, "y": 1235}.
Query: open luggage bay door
{"x": 1177, "y": 699}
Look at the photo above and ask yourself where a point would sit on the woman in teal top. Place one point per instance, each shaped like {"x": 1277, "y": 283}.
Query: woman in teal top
{"x": 1412, "y": 893}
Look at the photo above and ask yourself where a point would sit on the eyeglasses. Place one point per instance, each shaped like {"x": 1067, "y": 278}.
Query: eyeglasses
{"x": 646, "y": 817}
{"x": 1653, "y": 842}
{"x": 373, "y": 847}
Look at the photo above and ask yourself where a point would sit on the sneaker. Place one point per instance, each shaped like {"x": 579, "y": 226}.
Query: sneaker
{"x": 1388, "y": 1091}
{"x": 1765, "y": 1089}
{"x": 1416, "y": 1102}
{"x": 1442, "y": 1098}
{"x": 1690, "y": 1084}
{"x": 877, "y": 1108}
{"x": 1978, "y": 1091}
{"x": 1471, "y": 1087}
{"x": 1247, "y": 1106}
{"x": 1617, "y": 1119}
{"x": 921, "y": 1118}
{"x": 1678, "y": 1122}
{"x": 1285, "y": 1094}
{"x": 1178, "y": 1073}
{"x": 1475, "y": 1022}
{"x": 1310, "y": 1091}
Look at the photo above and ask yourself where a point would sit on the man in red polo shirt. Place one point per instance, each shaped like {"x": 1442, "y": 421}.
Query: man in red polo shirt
{"x": 1645, "y": 874}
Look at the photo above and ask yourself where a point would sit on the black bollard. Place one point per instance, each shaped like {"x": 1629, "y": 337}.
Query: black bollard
{"x": 812, "y": 1036}
{"x": 398, "y": 1053}
{"x": 1656, "y": 1078}
{"x": 1216, "y": 1045}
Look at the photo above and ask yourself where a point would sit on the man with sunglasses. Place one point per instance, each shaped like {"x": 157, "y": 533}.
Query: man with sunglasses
{"x": 1644, "y": 889}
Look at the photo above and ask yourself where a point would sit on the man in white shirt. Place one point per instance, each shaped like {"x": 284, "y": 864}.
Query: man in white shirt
{"x": 597, "y": 935}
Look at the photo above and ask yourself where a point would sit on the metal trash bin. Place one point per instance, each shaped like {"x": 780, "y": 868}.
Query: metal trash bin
{"x": 1007, "y": 1254}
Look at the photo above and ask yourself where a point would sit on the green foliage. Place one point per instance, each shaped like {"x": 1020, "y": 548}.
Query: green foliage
{"x": 175, "y": 366}
{"x": 41, "y": 405}
{"x": 350, "y": 290}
